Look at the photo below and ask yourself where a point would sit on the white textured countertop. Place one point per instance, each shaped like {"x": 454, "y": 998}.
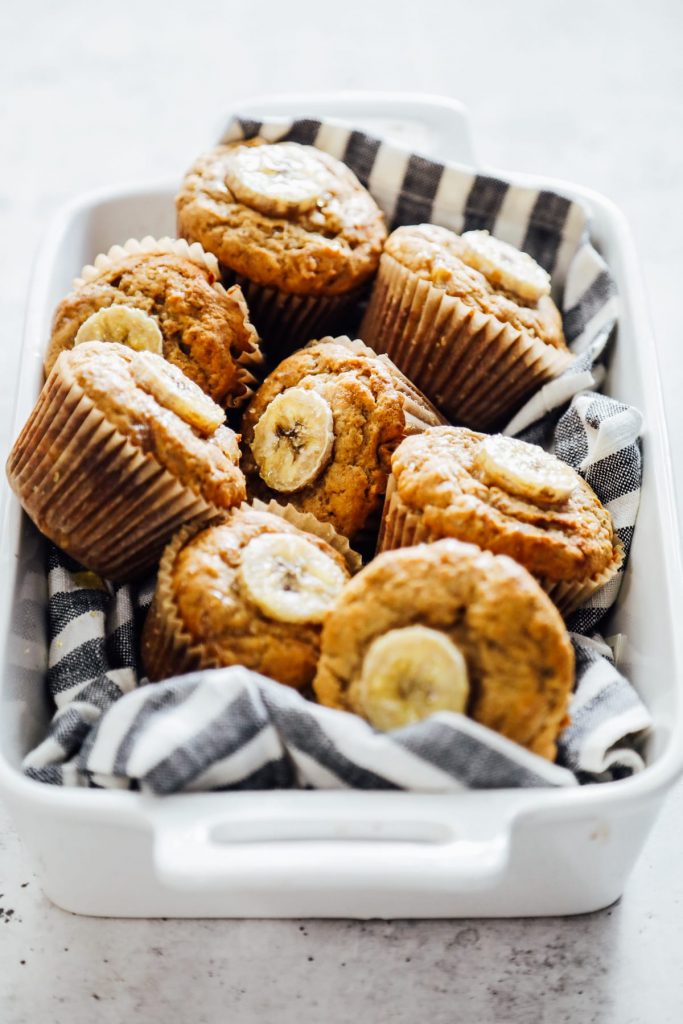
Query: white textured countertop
{"x": 588, "y": 91}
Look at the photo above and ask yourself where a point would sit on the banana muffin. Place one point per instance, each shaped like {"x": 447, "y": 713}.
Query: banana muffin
{"x": 292, "y": 225}
{"x": 448, "y": 627}
{"x": 121, "y": 450}
{"x": 509, "y": 497}
{"x": 251, "y": 590}
{"x": 469, "y": 319}
{"x": 320, "y": 431}
{"x": 190, "y": 318}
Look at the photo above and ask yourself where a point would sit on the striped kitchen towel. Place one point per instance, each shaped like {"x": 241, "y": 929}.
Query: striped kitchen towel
{"x": 231, "y": 728}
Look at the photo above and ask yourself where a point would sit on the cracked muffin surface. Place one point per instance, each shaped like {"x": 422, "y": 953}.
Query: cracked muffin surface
{"x": 206, "y": 330}
{"x": 329, "y": 248}
{"x": 205, "y": 615}
{"x": 517, "y": 656}
{"x": 370, "y": 410}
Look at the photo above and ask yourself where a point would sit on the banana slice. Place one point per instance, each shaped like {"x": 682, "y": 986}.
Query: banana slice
{"x": 411, "y": 673}
{"x": 504, "y": 265}
{"x": 289, "y": 578}
{"x": 176, "y": 392}
{"x": 524, "y": 469}
{"x": 277, "y": 180}
{"x": 128, "y": 326}
{"x": 293, "y": 440}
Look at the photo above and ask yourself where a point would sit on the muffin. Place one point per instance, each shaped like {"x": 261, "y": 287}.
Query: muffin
{"x": 469, "y": 319}
{"x": 191, "y": 319}
{"x": 448, "y": 627}
{"x": 509, "y": 497}
{"x": 121, "y": 450}
{"x": 251, "y": 590}
{"x": 289, "y": 223}
{"x": 320, "y": 431}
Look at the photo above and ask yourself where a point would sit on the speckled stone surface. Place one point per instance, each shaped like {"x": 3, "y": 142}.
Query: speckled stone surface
{"x": 589, "y": 91}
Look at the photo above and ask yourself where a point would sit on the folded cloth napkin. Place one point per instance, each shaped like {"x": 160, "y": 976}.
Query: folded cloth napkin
{"x": 231, "y": 728}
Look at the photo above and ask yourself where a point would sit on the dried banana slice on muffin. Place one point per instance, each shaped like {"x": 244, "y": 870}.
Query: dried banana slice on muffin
{"x": 509, "y": 497}
{"x": 164, "y": 296}
{"x": 174, "y": 391}
{"x": 293, "y": 439}
{"x": 504, "y": 266}
{"x": 448, "y": 627}
{"x": 251, "y": 590}
{"x": 279, "y": 179}
{"x": 124, "y": 324}
{"x": 320, "y": 431}
{"x": 410, "y": 673}
{"x": 524, "y": 469}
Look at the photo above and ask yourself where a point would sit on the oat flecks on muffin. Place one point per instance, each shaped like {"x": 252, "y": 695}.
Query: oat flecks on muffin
{"x": 250, "y": 591}
{"x": 470, "y": 631}
{"x": 461, "y": 485}
{"x": 320, "y": 431}
{"x": 205, "y": 330}
{"x": 283, "y": 215}
{"x": 444, "y": 259}
{"x": 121, "y": 450}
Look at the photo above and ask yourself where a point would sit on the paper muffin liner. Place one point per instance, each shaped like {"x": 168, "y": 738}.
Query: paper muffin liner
{"x": 91, "y": 491}
{"x": 419, "y": 411}
{"x": 167, "y": 647}
{"x": 569, "y": 595}
{"x": 284, "y": 321}
{"x": 192, "y": 251}
{"x": 250, "y": 360}
{"x": 475, "y": 369}
{"x": 308, "y": 523}
{"x": 402, "y": 527}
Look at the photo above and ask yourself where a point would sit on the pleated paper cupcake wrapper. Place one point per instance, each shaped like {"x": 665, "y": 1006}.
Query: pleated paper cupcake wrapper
{"x": 285, "y": 322}
{"x": 475, "y": 369}
{"x": 402, "y": 527}
{"x": 569, "y": 595}
{"x": 249, "y": 361}
{"x": 419, "y": 411}
{"x": 168, "y": 647}
{"x": 91, "y": 491}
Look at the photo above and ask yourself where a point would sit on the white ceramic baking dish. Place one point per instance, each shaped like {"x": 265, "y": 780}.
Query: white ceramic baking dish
{"x": 341, "y": 854}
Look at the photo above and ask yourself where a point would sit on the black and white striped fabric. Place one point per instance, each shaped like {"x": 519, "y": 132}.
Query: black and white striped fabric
{"x": 232, "y": 728}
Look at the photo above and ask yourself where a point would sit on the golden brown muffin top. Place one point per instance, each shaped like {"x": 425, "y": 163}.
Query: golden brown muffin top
{"x": 519, "y": 661}
{"x": 368, "y": 421}
{"x": 217, "y": 609}
{"x": 436, "y": 255}
{"x": 439, "y": 474}
{"x": 207, "y": 461}
{"x": 327, "y": 248}
{"x": 205, "y": 329}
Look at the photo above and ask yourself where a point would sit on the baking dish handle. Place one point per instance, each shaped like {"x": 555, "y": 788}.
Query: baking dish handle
{"x": 437, "y": 126}
{"x": 423, "y": 855}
